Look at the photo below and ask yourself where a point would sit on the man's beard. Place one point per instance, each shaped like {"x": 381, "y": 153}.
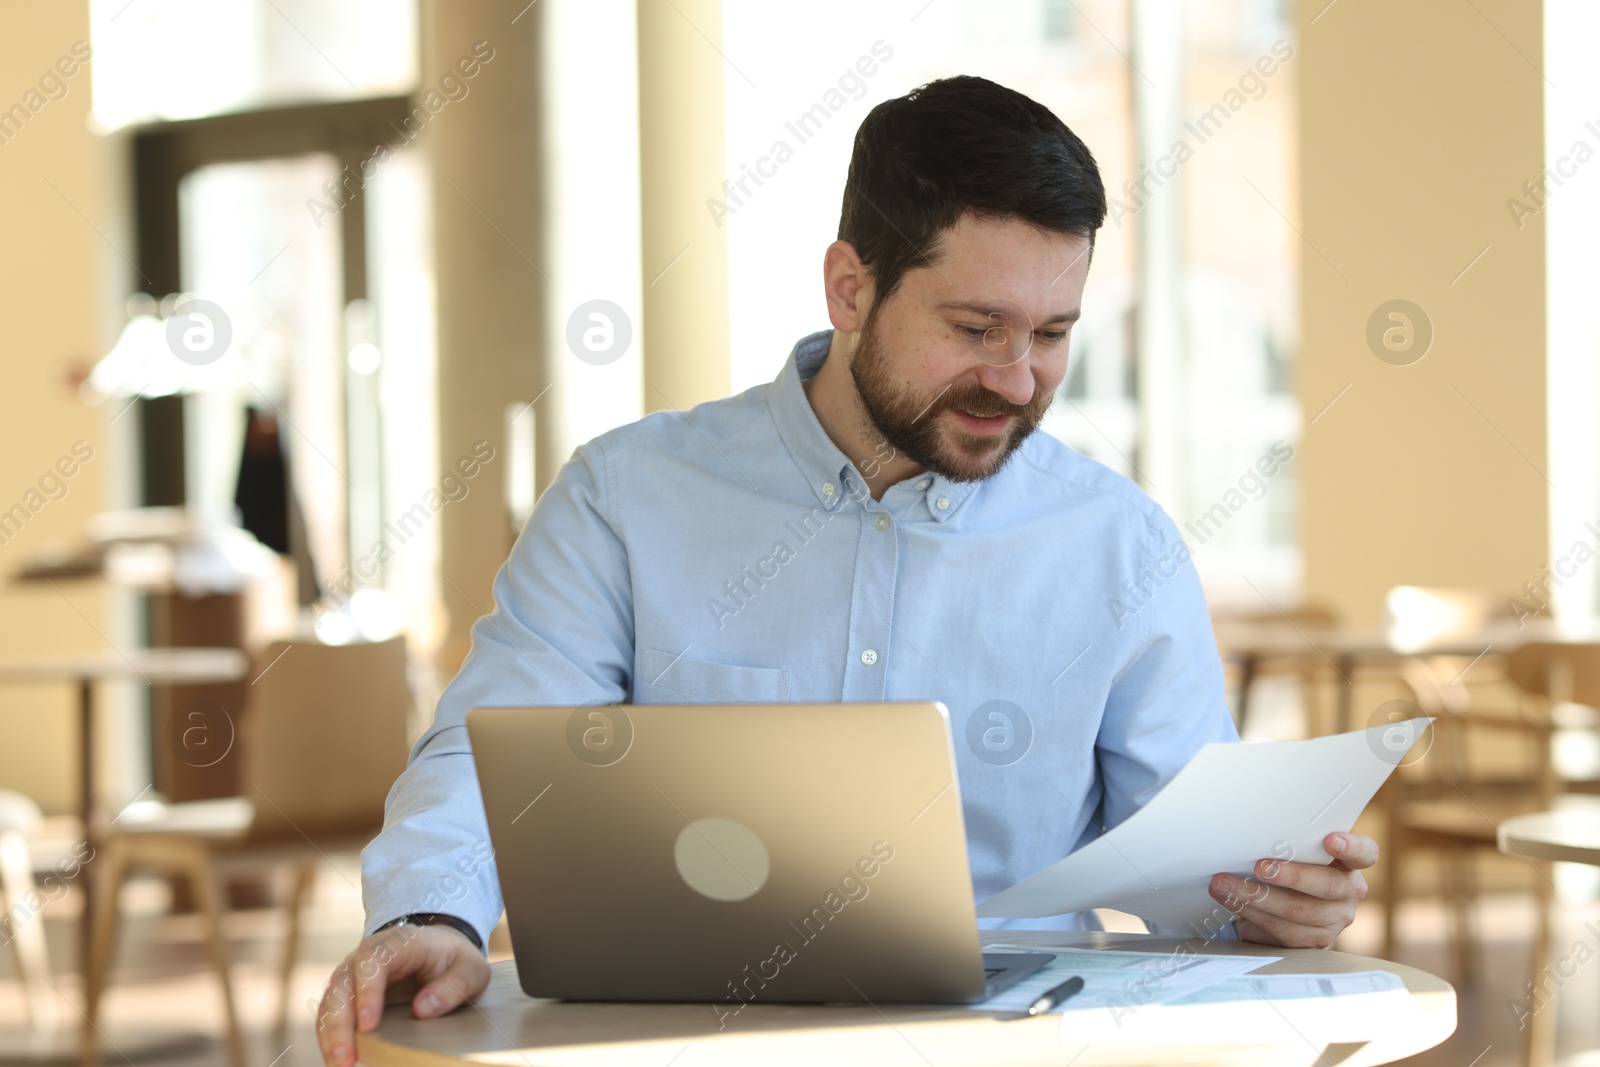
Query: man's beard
{"x": 909, "y": 421}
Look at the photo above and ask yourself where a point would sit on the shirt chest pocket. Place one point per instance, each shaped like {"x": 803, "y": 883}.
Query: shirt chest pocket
{"x": 666, "y": 678}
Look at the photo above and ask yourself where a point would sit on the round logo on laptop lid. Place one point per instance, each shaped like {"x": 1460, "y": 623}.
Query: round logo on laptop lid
{"x": 721, "y": 859}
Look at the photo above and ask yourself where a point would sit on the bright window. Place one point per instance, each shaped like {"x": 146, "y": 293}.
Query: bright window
{"x": 180, "y": 59}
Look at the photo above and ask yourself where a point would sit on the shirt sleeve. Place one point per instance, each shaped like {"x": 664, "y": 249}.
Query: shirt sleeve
{"x": 1168, "y": 700}
{"x": 560, "y": 632}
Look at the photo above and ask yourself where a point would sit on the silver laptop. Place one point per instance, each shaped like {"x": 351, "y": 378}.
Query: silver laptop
{"x": 735, "y": 853}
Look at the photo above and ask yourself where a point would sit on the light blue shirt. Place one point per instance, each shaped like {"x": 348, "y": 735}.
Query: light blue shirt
{"x": 732, "y": 553}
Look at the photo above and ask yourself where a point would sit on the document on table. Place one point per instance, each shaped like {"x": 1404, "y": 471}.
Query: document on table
{"x": 1120, "y": 980}
{"x": 1232, "y": 805}
{"x": 1287, "y": 1009}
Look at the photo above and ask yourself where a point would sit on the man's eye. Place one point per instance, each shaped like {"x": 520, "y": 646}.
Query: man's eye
{"x": 975, "y": 333}
{"x": 1053, "y": 336}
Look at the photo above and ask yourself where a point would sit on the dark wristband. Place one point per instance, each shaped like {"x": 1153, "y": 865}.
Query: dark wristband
{"x": 433, "y": 918}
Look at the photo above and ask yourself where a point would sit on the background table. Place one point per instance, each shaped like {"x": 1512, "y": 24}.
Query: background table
{"x": 1566, "y": 835}
{"x": 507, "y": 1027}
{"x": 1343, "y": 648}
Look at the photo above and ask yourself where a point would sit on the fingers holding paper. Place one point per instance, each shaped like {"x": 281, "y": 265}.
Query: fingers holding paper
{"x": 1300, "y": 905}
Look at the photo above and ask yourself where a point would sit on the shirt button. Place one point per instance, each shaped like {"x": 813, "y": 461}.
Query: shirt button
{"x": 881, "y": 522}
{"x": 943, "y": 503}
{"x": 923, "y": 483}
{"x": 827, "y": 488}
{"x": 869, "y": 656}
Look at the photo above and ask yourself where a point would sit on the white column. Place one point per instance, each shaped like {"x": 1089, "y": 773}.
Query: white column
{"x": 1157, "y": 79}
{"x": 682, "y": 162}
{"x": 1572, "y": 284}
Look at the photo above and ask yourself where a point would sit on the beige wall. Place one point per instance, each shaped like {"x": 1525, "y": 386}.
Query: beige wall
{"x": 1417, "y": 121}
{"x": 51, "y": 263}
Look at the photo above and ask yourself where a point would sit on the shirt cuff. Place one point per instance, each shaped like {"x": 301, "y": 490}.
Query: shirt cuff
{"x": 433, "y": 918}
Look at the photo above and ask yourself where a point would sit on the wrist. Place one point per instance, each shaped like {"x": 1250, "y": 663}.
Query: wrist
{"x": 433, "y": 918}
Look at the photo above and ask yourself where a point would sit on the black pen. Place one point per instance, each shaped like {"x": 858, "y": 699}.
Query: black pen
{"x": 1054, "y": 998}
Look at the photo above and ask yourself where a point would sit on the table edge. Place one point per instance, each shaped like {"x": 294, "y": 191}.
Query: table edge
{"x": 1432, "y": 994}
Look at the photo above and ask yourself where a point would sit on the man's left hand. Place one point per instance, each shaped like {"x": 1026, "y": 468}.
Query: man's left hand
{"x": 1300, "y": 905}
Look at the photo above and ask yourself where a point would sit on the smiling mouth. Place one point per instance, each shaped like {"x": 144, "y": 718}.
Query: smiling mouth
{"x": 984, "y": 425}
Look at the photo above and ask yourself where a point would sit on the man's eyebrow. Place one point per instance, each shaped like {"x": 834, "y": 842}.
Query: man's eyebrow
{"x": 999, "y": 312}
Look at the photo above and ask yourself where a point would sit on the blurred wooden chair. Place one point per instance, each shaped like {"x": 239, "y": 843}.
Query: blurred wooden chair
{"x": 1417, "y": 616}
{"x": 1483, "y": 766}
{"x": 324, "y": 738}
{"x": 1420, "y": 618}
{"x": 320, "y": 766}
{"x": 21, "y": 923}
{"x": 176, "y": 839}
{"x": 1244, "y": 666}
{"x": 1567, "y": 674}
{"x": 1441, "y": 611}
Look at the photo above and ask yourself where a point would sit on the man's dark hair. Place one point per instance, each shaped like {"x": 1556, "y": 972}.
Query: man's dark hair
{"x": 955, "y": 145}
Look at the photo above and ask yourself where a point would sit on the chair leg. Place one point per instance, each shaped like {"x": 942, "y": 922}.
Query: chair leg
{"x": 1542, "y": 1026}
{"x": 208, "y": 899}
{"x": 1391, "y": 889}
{"x": 1461, "y": 892}
{"x": 25, "y": 927}
{"x": 305, "y": 877}
{"x": 1311, "y": 701}
{"x": 102, "y": 937}
{"x": 1247, "y": 677}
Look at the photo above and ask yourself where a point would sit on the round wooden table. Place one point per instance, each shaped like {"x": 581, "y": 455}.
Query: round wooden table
{"x": 506, "y": 1027}
{"x": 1566, "y": 835}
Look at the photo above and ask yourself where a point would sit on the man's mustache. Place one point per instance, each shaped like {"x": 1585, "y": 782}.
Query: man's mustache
{"x": 986, "y": 404}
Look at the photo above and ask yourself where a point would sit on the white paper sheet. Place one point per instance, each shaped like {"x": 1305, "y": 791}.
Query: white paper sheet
{"x": 1119, "y": 981}
{"x": 1232, "y": 805}
{"x": 1286, "y": 1009}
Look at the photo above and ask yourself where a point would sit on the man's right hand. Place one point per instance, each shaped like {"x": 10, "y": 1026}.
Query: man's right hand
{"x": 449, "y": 969}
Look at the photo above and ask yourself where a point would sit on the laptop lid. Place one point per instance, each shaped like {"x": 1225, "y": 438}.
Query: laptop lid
{"x": 786, "y": 852}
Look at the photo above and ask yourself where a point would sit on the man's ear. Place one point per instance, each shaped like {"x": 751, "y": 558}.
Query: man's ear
{"x": 847, "y": 285}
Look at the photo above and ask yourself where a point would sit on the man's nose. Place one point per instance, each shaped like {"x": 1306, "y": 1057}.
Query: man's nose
{"x": 1013, "y": 381}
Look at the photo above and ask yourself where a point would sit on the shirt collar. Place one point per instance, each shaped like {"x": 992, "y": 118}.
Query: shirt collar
{"x": 828, "y": 471}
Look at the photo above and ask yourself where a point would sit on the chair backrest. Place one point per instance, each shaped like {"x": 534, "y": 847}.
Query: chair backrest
{"x": 324, "y": 737}
{"x": 1313, "y": 615}
{"x": 1420, "y": 614}
{"x": 19, "y": 814}
{"x": 1470, "y": 749}
{"x": 1560, "y": 671}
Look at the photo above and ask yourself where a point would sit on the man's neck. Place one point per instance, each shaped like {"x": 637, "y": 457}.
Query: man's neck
{"x": 837, "y": 405}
